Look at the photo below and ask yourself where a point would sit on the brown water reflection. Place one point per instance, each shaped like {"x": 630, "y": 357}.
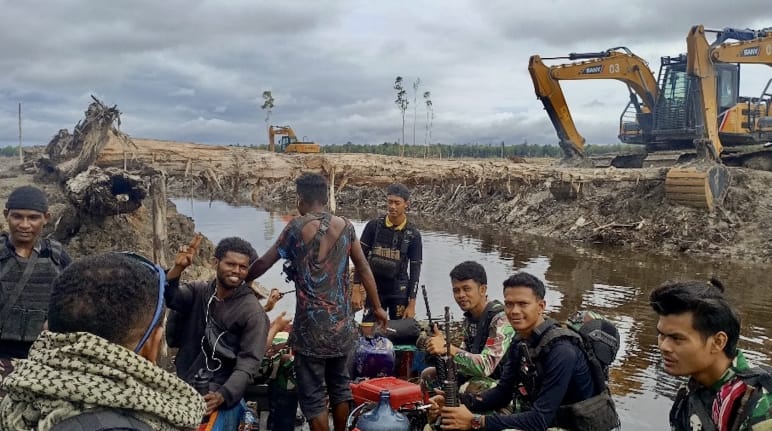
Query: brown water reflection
{"x": 612, "y": 281}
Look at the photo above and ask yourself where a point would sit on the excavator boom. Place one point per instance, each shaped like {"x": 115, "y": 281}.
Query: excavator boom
{"x": 615, "y": 63}
{"x": 754, "y": 47}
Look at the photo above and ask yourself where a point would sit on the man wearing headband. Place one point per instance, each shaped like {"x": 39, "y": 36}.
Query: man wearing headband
{"x": 223, "y": 341}
{"x": 94, "y": 368}
{"x": 394, "y": 250}
{"x": 28, "y": 266}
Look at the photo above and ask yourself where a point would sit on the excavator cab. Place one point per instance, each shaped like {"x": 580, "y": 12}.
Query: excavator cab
{"x": 285, "y": 142}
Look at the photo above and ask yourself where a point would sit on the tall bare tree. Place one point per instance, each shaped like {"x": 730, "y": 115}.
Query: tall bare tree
{"x": 416, "y": 83}
{"x": 267, "y": 106}
{"x": 402, "y": 103}
{"x": 429, "y": 119}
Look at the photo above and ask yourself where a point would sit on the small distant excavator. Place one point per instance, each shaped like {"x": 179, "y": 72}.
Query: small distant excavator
{"x": 289, "y": 141}
{"x": 694, "y": 104}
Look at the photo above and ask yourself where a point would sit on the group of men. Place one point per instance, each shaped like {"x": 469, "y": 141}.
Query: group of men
{"x": 84, "y": 336}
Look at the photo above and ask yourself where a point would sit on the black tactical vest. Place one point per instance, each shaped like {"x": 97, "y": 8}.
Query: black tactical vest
{"x": 388, "y": 253}
{"x": 25, "y": 311}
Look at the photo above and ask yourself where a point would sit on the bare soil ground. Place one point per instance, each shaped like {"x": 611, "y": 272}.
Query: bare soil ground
{"x": 620, "y": 207}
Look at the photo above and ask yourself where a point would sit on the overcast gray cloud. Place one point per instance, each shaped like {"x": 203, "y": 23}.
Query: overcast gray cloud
{"x": 195, "y": 70}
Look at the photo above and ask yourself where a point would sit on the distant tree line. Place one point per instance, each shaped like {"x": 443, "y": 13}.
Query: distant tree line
{"x": 9, "y": 151}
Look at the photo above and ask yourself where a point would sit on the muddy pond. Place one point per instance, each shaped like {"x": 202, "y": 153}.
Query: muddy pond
{"x": 611, "y": 281}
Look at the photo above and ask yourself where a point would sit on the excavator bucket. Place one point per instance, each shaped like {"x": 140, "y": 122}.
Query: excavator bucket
{"x": 699, "y": 186}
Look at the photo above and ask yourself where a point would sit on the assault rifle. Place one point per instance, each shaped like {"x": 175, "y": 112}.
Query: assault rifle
{"x": 426, "y": 303}
{"x": 449, "y": 384}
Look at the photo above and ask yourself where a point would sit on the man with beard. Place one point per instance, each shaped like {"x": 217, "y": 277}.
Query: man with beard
{"x": 225, "y": 336}
{"x": 28, "y": 266}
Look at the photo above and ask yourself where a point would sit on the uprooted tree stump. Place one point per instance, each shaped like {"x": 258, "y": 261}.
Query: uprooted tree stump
{"x": 71, "y": 154}
{"x": 106, "y": 192}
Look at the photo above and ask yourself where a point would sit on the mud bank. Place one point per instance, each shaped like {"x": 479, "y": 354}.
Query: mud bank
{"x": 614, "y": 207}
{"x": 625, "y": 208}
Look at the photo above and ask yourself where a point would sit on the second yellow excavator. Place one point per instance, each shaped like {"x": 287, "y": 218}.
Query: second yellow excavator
{"x": 289, "y": 141}
{"x": 722, "y": 118}
{"x": 693, "y": 104}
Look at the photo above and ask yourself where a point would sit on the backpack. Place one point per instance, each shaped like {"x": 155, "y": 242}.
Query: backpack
{"x": 599, "y": 336}
{"x": 599, "y": 339}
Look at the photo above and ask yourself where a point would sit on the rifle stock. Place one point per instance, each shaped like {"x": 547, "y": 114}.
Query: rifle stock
{"x": 449, "y": 384}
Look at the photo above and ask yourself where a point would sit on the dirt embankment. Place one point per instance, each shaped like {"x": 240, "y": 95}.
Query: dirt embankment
{"x": 624, "y": 207}
{"x": 607, "y": 206}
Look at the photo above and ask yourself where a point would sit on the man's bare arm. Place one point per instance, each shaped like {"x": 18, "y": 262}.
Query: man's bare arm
{"x": 263, "y": 264}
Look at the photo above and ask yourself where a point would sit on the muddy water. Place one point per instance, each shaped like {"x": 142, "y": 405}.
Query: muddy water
{"x": 613, "y": 282}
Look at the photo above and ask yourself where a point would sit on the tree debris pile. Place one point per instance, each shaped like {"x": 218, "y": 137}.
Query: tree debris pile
{"x": 621, "y": 207}
{"x": 70, "y": 161}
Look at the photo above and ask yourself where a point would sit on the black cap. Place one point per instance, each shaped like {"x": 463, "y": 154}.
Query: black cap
{"x": 27, "y": 198}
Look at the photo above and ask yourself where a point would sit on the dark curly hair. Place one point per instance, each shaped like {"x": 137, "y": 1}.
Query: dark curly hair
{"x": 312, "y": 188}
{"x": 110, "y": 295}
{"x": 236, "y": 245}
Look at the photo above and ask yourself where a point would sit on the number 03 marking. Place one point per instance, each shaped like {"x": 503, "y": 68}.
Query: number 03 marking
{"x": 613, "y": 68}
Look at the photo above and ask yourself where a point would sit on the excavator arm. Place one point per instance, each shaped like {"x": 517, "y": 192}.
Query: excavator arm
{"x": 700, "y": 66}
{"x": 615, "y": 63}
{"x": 754, "y": 47}
{"x": 706, "y": 185}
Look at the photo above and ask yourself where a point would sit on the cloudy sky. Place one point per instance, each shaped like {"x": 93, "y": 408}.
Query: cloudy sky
{"x": 195, "y": 70}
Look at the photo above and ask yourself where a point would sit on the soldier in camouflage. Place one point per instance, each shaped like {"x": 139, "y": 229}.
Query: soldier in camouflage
{"x": 697, "y": 334}
{"x": 487, "y": 332}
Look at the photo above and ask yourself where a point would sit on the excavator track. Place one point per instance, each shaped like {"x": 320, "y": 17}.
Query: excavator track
{"x": 699, "y": 186}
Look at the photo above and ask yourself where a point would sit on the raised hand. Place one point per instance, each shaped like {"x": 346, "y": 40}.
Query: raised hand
{"x": 186, "y": 253}
{"x": 184, "y": 257}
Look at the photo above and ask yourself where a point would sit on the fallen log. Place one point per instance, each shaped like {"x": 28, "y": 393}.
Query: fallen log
{"x": 105, "y": 192}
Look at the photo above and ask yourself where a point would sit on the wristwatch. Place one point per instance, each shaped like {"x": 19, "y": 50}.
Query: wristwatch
{"x": 477, "y": 422}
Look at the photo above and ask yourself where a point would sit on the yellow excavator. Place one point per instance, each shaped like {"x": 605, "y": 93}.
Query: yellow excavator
{"x": 722, "y": 118}
{"x": 666, "y": 114}
{"x": 289, "y": 141}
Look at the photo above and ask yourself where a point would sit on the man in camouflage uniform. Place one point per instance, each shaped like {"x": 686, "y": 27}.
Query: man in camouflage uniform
{"x": 697, "y": 335}
{"x": 487, "y": 332}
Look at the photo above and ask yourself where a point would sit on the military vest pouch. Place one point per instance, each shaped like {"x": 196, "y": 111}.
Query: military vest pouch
{"x": 383, "y": 267}
{"x": 593, "y": 414}
{"x": 23, "y": 325}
